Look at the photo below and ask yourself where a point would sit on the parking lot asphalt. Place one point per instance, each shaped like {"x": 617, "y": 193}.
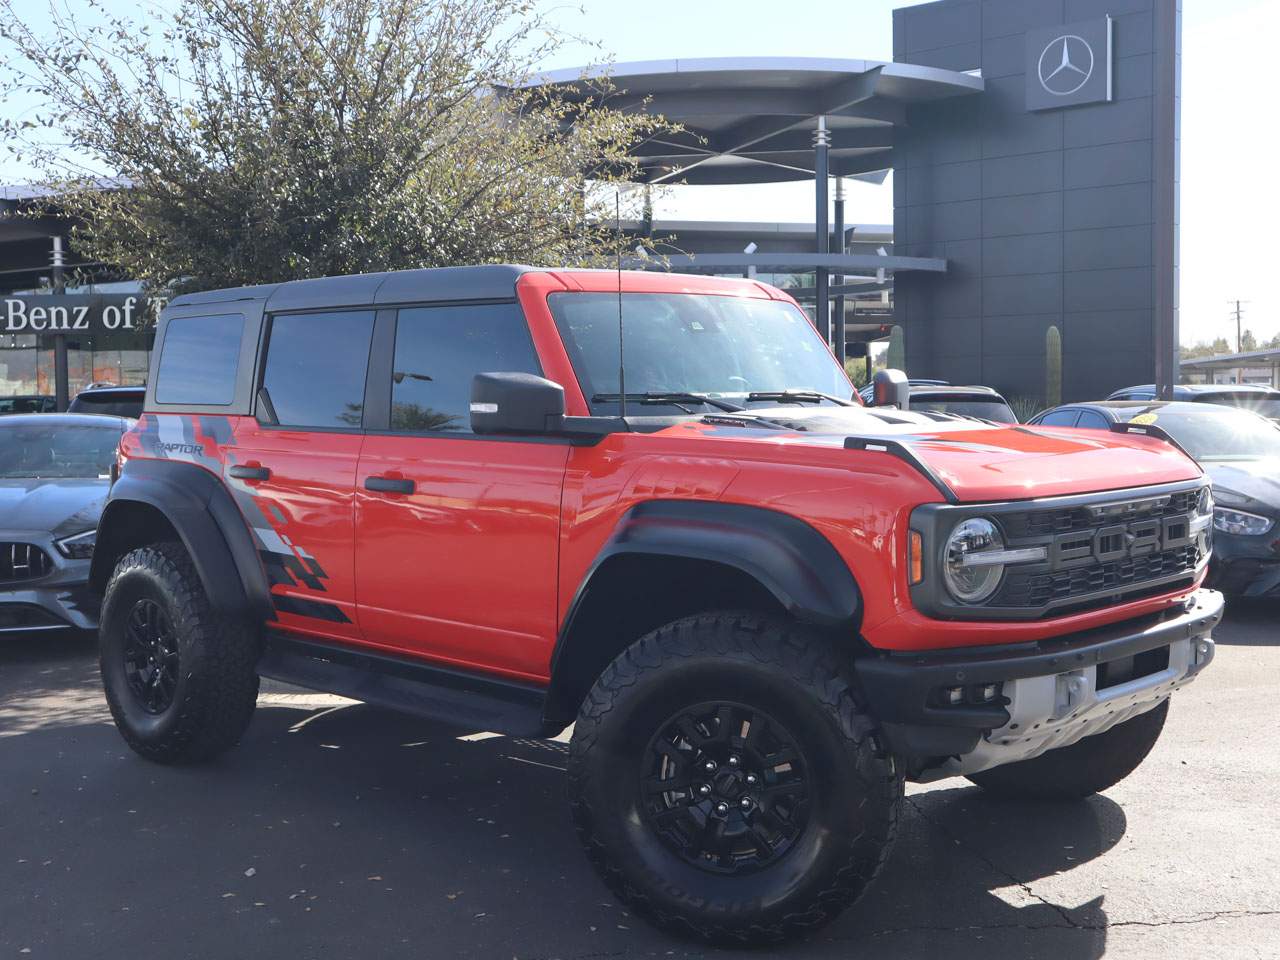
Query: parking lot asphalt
{"x": 336, "y": 830}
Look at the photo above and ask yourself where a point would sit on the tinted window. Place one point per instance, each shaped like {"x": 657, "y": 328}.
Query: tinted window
{"x": 115, "y": 404}
{"x": 988, "y": 409}
{"x": 198, "y": 360}
{"x": 1059, "y": 418}
{"x": 316, "y": 366}
{"x": 439, "y": 350}
{"x": 1266, "y": 404}
{"x": 1093, "y": 421}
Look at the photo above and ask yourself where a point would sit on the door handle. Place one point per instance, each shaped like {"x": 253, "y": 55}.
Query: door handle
{"x": 388, "y": 485}
{"x": 241, "y": 471}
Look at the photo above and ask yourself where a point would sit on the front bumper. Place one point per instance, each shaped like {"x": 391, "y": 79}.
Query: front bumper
{"x": 1053, "y": 692}
{"x": 58, "y": 600}
{"x": 1245, "y": 566}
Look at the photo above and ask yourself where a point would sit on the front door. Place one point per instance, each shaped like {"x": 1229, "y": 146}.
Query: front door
{"x": 456, "y": 535}
{"x": 299, "y": 472}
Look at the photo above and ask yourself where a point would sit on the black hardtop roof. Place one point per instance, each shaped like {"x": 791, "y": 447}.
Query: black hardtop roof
{"x": 487, "y": 282}
{"x": 1198, "y": 388}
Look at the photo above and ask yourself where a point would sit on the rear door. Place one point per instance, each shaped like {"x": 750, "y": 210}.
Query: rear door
{"x": 297, "y": 473}
{"x": 456, "y": 534}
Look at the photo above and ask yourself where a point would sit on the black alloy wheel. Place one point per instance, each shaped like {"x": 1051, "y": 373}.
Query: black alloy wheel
{"x": 151, "y": 656}
{"x": 725, "y": 787}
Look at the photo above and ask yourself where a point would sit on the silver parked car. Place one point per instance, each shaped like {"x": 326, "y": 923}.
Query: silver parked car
{"x": 55, "y": 472}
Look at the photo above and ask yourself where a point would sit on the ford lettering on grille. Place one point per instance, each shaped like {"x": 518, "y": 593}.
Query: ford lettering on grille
{"x": 1119, "y": 541}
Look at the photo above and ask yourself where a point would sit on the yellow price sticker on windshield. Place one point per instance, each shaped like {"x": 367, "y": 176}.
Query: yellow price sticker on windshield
{"x": 1144, "y": 418}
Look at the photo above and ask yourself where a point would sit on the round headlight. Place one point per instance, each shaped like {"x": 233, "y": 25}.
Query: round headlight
{"x": 970, "y": 576}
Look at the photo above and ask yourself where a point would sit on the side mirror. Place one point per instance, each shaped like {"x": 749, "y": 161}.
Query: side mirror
{"x": 891, "y": 389}
{"x": 516, "y": 403}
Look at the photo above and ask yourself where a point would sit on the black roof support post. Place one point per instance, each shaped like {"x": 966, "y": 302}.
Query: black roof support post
{"x": 821, "y": 175}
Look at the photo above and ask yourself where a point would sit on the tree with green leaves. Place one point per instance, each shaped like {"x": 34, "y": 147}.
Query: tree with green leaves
{"x": 247, "y": 141}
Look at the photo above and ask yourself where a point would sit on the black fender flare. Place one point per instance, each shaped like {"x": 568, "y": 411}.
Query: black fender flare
{"x": 792, "y": 560}
{"x": 201, "y": 509}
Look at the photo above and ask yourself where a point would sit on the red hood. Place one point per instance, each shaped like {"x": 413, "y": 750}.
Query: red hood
{"x": 981, "y": 462}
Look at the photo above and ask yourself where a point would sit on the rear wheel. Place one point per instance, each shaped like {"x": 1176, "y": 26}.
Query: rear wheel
{"x": 726, "y": 782}
{"x": 1084, "y": 768}
{"x": 180, "y": 678}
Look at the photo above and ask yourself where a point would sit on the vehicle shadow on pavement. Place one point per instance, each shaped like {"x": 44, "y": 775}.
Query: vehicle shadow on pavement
{"x": 1255, "y": 622}
{"x": 345, "y": 831}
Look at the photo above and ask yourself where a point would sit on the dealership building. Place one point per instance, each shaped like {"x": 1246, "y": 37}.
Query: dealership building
{"x": 1033, "y": 146}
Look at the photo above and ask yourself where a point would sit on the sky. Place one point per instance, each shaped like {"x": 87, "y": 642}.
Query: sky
{"x": 1230, "y": 216}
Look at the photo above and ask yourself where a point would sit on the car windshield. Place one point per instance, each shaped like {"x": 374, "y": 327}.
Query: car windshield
{"x": 1220, "y": 434}
{"x": 679, "y": 343}
{"x": 57, "y": 449}
{"x": 992, "y": 408}
{"x": 1264, "y": 404}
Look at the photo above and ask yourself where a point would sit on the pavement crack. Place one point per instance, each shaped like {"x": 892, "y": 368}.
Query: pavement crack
{"x": 1025, "y": 887}
{"x": 1198, "y": 918}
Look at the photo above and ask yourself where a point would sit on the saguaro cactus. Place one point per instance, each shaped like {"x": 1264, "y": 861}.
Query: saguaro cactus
{"x": 1053, "y": 367}
{"x": 896, "y": 359}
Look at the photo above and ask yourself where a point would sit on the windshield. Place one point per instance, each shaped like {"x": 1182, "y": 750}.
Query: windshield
{"x": 988, "y": 409}
{"x": 57, "y": 449}
{"x": 728, "y": 347}
{"x": 1221, "y": 434}
{"x": 1267, "y": 406}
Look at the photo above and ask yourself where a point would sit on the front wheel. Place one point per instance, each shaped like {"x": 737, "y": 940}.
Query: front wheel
{"x": 1082, "y": 769}
{"x": 726, "y": 782}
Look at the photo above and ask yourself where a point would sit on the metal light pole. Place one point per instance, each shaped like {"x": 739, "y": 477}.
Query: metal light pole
{"x": 60, "y": 389}
{"x": 837, "y": 246}
{"x": 821, "y": 173}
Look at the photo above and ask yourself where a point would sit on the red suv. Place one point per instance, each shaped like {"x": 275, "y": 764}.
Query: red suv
{"x": 647, "y": 505}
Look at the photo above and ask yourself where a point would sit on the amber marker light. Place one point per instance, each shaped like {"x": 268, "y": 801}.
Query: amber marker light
{"x": 915, "y": 556}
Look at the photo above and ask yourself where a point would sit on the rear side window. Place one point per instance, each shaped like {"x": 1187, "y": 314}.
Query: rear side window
{"x": 316, "y": 368}
{"x": 198, "y": 360}
{"x": 439, "y": 350}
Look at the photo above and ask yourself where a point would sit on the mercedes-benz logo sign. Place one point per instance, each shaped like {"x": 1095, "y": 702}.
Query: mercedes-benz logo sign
{"x": 1066, "y": 64}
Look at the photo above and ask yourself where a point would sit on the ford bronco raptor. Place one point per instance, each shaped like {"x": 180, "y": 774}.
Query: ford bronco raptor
{"x": 650, "y": 506}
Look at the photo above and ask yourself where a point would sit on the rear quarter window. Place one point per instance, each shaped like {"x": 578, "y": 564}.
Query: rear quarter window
{"x": 199, "y": 359}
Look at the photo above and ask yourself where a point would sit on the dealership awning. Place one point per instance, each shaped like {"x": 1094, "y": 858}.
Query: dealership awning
{"x": 752, "y": 120}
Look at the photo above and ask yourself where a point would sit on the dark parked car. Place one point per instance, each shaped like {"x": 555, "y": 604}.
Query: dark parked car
{"x": 1251, "y": 396}
{"x": 30, "y": 403}
{"x": 968, "y": 401}
{"x": 55, "y": 471}
{"x": 113, "y": 401}
{"x": 1241, "y": 452}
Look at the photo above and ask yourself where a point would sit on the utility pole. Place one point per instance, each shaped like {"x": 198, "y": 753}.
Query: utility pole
{"x": 837, "y": 246}
{"x": 821, "y": 175}
{"x": 1239, "y": 312}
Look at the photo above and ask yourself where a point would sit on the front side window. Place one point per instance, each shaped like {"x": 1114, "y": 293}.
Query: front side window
{"x": 439, "y": 350}
{"x": 1089, "y": 420}
{"x": 53, "y": 448}
{"x": 199, "y": 359}
{"x": 316, "y": 368}
{"x": 728, "y": 347}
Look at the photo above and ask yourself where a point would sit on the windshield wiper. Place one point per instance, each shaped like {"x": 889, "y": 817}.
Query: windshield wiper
{"x": 798, "y": 396}
{"x": 675, "y": 399}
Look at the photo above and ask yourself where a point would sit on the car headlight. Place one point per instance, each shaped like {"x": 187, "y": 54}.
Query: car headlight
{"x": 974, "y": 561}
{"x": 1226, "y": 520}
{"x": 79, "y": 547}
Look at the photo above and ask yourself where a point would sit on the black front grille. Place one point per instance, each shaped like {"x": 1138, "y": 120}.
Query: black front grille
{"x": 1047, "y": 522}
{"x": 22, "y": 561}
{"x": 1025, "y": 589}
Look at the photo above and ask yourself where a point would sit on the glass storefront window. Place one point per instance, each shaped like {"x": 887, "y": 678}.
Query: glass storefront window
{"x": 117, "y": 357}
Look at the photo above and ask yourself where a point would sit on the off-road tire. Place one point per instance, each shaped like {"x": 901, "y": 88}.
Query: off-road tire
{"x": 1082, "y": 769}
{"x": 217, "y": 683}
{"x": 790, "y": 672}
